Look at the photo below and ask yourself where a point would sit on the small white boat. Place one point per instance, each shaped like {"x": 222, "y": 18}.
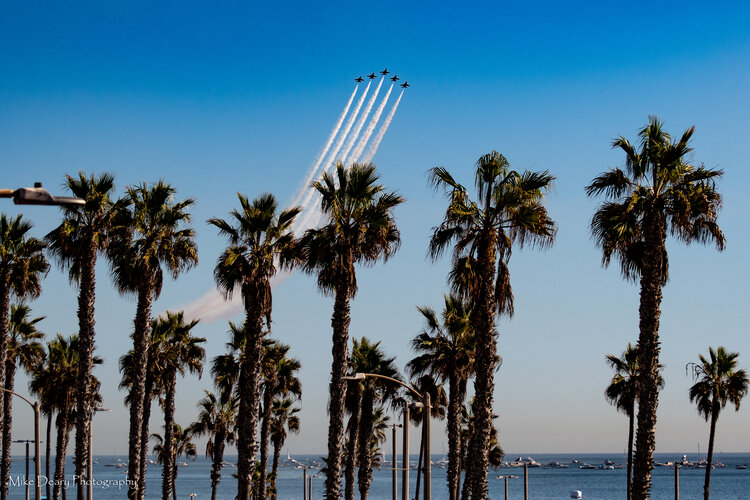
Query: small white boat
{"x": 576, "y": 494}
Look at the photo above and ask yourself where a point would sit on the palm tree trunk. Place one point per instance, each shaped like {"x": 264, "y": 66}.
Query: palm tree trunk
{"x": 86, "y": 299}
{"x": 710, "y": 458}
{"x": 350, "y": 469}
{"x": 174, "y": 490}
{"x": 10, "y": 372}
{"x": 63, "y": 426}
{"x": 4, "y": 324}
{"x": 140, "y": 359}
{"x": 337, "y": 390}
{"x": 648, "y": 355}
{"x": 218, "y": 456}
{"x": 365, "y": 436}
{"x": 147, "y": 396}
{"x": 264, "y": 438}
{"x": 631, "y": 432}
{"x": 168, "y": 473}
{"x": 275, "y": 465}
{"x": 484, "y": 383}
{"x": 455, "y": 400}
{"x": 254, "y": 297}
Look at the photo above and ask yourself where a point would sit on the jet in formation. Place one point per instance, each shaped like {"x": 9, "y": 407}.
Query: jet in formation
{"x": 394, "y": 78}
{"x": 371, "y": 76}
{"x": 405, "y": 84}
{"x": 384, "y": 72}
{"x": 358, "y": 79}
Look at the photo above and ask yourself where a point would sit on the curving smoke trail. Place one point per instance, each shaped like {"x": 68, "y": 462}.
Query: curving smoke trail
{"x": 339, "y": 143}
{"x": 370, "y": 127}
{"x": 358, "y": 127}
{"x": 313, "y": 170}
{"x": 379, "y": 137}
{"x": 212, "y": 306}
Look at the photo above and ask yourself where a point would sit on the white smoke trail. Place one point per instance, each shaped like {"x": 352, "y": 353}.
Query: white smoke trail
{"x": 327, "y": 164}
{"x": 370, "y": 127}
{"x": 379, "y": 137}
{"x": 306, "y": 184}
{"x": 358, "y": 127}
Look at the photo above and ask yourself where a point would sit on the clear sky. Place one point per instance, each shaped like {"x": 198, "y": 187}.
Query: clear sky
{"x": 233, "y": 96}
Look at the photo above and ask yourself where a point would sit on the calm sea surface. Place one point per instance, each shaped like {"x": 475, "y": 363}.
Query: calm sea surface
{"x": 544, "y": 483}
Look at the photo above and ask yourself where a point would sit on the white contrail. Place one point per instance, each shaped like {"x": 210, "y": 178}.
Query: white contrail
{"x": 376, "y": 142}
{"x": 370, "y": 127}
{"x": 306, "y": 184}
{"x": 327, "y": 164}
{"x": 358, "y": 127}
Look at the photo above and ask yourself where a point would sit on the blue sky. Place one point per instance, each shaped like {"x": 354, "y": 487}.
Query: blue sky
{"x": 233, "y": 97}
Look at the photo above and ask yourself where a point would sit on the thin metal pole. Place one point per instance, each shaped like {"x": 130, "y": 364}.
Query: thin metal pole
{"x": 394, "y": 461}
{"x": 427, "y": 457}
{"x": 27, "y": 469}
{"x": 506, "y": 487}
{"x": 309, "y": 487}
{"x": 677, "y": 481}
{"x": 37, "y": 454}
{"x": 525, "y": 481}
{"x": 304, "y": 483}
{"x": 405, "y": 459}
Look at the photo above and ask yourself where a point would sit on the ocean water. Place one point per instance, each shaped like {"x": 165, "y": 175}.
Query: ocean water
{"x": 544, "y": 483}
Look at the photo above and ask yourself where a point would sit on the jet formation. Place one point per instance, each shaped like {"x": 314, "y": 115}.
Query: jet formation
{"x": 372, "y": 76}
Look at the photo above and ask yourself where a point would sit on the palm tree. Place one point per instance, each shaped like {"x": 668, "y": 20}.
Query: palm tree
{"x": 279, "y": 380}
{"x": 225, "y": 368}
{"x": 25, "y": 349}
{"x": 509, "y": 209}
{"x": 61, "y": 372}
{"x": 22, "y": 266}
{"x": 76, "y": 243}
{"x": 658, "y": 189}
{"x": 718, "y": 382}
{"x": 217, "y": 420}
{"x": 495, "y": 453}
{"x": 284, "y": 417}
{"x": 175, "y": 351}
{"x": 151, "y": 234}
{"x": 259, "y": 239}
{"x": 182, "y": 445}
{"x": 360, "y": 229}
{"x": 447, "y": 351}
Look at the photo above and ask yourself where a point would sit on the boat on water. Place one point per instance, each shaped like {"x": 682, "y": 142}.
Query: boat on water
{"x": 520, "y": 462}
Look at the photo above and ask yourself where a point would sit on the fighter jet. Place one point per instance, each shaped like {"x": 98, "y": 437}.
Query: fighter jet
{"x": 371, "y": 76}
{"x": 358, "y": 79}
{"x": 394, "y": 78}
{"x": 384, "y": 72}
{"x": 405, "y": 84}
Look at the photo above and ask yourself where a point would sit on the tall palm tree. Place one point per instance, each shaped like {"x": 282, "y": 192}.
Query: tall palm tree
{"x": 76, "y": 243}
{"x": 216, "y": 419}
{"x": 175, "y": 351}
{"x": 284, "y": 417}
{"x": 368, "y": 357}
{"x": 279, "y": 380}
{"x": 495, "y": 453}
{"x": 259, "y": 237}
{"x": 22, "y": 266}
{"x": 447, "y": 351}
{"x": 24, "y": 348}
{"x": 718, "y": 382}
{"x": 61, "y": 372}
{"x": 359, "y": 229}
{"x": 657, "y": 190}
{"x": 225, "y": 368}
{"x": 182, "y": 446}
{"x": 509, "y": 209}
{"x": 152, "y": 237}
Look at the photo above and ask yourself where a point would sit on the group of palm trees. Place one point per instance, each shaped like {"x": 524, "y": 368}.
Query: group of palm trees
{"x": 147, "y": 233}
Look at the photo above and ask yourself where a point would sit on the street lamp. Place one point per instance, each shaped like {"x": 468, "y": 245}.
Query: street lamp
{"x": 425, "y": 432}
{"x": 90, "y": 474}
{"x": 27, "y": 441}
{"x": 37, "y": 462}
{"x": 37, "y": 195}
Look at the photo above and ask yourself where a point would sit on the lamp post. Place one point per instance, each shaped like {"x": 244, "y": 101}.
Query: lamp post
{"x": 90, "y": 473}
{"x": 425, "y": 428}
{"x": 506, "y": 483}
{"x": 37, "y": 462}
{"x": 27, "y": 441}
